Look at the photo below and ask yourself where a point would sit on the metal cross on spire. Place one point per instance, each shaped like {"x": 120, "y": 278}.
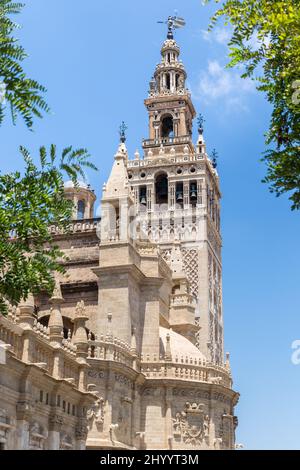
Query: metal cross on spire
{"x": 173, "y": 22}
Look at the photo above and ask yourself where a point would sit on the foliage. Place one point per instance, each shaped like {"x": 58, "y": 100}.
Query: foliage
{"x": 23, "y": 95}
{"x": 266, "y": 43}
{"x": 29, "y": 204}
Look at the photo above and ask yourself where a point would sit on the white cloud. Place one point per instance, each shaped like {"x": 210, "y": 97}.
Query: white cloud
{"x": 217, "y": 83}
{"x": 218, "y": 34}
{"x": 222, "y": 35}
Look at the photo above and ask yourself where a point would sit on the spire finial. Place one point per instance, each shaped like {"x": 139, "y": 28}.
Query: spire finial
{"x": 173, "y": 22}
{"x": 200, "y": 122}
{"x": 214, "y": 158}
{"x": 122, "y": 131}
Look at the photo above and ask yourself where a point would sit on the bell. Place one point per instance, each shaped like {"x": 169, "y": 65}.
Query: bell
{"x": 143, "y": 200}
{"x": 179, "y": 197}
{"x": 193, "y": 194}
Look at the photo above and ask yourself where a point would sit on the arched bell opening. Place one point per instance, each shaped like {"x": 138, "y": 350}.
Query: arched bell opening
{"x": 161, "y": 189}
{"x": 167, "y": 126}
{"x": 193, "y": 193}
{"x": 143, "y": 195}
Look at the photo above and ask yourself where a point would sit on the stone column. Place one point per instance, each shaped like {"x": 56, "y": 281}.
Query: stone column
{"x": 75, "y": 208}
{"x": 172, "y": 195}
{"x": 186, "y": 194}
{"x": 199, "y": 192}
{"x": 151, "y": 127}
{"x": 24, "y": 413}
{"x": 168, "y": 419}
{"x": 135, "y": 416}
{"x": 26, "y": 311}
{"x": 149, "y": 197}
{"x": 108, "y": 421}
{"x": 123, "y": 230}
{"x": 55, "y": 320}
{"x": 87, "y": 210}
{"x": 228, "y": 432}
{"x": 81, "y": 434}
{"x": 81, "y": 342}
{"x": 55, "y": 424}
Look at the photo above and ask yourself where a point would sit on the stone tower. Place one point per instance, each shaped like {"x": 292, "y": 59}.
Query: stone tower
{"x": 128, "y": 352}
{"x": 177, "y": 194}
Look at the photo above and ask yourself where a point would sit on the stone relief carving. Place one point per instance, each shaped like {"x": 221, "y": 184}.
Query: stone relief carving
{"x": 5, "y": 426}
{"x": 81, "y": 430}
{"x": 97, "y": 374}
{"x": 123, "y": 380}
{"x": 215, "y": 244}
{"x": 25, "y": 409}
{"x": 55, "y": 422}
{"x": 66, "y": 442}
{"x": 191, "y": 426}
{"x": 37, "y": 436}
{"x": 179, "y": 392}
{"x": 190, "y": 266}
{"x": 95, "y": 413}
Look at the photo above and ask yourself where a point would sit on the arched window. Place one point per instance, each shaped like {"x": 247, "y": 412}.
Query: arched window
{"x": 143, "y": 195}
{"x": 176, "y": 289}
{"x": 168, "y": 81}
{"x": 167, "y": 127}
{"x": 161, "y": 188}
{"x": 179, "y": 194}
{"x": 193, "y": 193}
{"x": 80, "y": 209}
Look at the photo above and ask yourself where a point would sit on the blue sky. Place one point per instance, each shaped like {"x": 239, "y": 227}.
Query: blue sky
{"x": 96, "y": 59}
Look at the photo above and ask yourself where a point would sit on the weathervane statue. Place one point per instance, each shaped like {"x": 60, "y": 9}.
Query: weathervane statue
{"x": 173, "y": 22}
{"x": 122, "y": 131}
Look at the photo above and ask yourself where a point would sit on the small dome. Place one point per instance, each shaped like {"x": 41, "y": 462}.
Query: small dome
{"x": 180, "y": 346}
{"x": 170, "y": 44}
{"x": 70, "y": 184}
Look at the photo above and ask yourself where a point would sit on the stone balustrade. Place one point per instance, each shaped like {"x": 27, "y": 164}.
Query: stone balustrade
{"x": 184, "y": 139}
{"x": 111, "y": 348}
{"x": 84, "y": 225}
{"x": 182, "y": 299}
{"x": 186, "y": 369}
{"x": 32, "y": 346}
{"x": 171, "y": 160}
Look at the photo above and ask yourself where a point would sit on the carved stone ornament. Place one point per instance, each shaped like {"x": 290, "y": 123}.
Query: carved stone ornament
{"x": 55, "y": 422}
{"x": 81, "y": 431}
{"x": 66, "y": 442}
{"x": 37, "y": 436}
{"x": 95, "y": 413}
{"x": 25, "y": 409}
{"x": 191, "y": 426}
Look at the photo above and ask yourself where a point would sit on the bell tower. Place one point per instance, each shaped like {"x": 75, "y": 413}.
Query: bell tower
{"x": 177, "y": 196}
{"x": 171, "y": 111}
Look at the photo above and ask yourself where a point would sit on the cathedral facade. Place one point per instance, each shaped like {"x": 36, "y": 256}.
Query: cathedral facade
{"x": 128, "y": 352}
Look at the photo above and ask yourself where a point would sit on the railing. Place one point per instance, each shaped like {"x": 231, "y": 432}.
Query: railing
{"x": 170, "y": 233}
{"x": 84, "y": 225}
{"x": 167, "y": 141}
{"x": 168, "y": 158}
{"x": 10, "y": 334}
{"x": 185, "y": 368}
{"x": 181, "y": 299}
{"x": 37, "y": 348}
{"x": 111, "y": 348}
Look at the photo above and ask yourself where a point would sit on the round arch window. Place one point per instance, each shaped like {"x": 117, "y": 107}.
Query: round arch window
{"x": 167, "y": 126}
{"x": 80, "y": 210}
